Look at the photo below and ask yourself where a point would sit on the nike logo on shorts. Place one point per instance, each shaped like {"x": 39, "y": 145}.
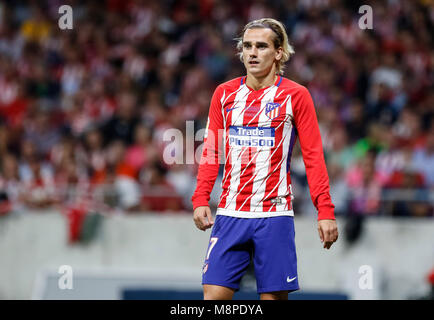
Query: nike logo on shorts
{"x": 290, "y": 280}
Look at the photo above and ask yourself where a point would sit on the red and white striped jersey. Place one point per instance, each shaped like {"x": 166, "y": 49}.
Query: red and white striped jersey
{"x": 253, "y": 133}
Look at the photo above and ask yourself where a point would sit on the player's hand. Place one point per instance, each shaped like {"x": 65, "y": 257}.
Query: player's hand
{"x": 203, "y": 218}
{"x": 328, "y": 232}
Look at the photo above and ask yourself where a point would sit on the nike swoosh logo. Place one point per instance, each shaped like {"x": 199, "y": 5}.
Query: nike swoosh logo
{"x": 290, "y": 280}
{"x": 229, "y": 110}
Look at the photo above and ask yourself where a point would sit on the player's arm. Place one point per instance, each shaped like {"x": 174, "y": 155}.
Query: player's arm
{"x": 307, "y": 127}
{"x": 209, "y": 164}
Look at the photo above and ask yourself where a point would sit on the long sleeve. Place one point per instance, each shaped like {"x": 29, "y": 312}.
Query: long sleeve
{"x": 211, "y": 153}
{"x": 313, "y": 157}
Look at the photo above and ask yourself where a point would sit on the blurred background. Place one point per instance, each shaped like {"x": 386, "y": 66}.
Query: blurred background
{"x": 83, "y": 114}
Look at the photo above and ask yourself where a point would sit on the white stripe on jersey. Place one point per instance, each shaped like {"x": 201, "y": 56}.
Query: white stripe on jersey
{"x": 222, "y": 101}
{"x": 279, "y": 95}
{"x": 241, "y": 96}
{"x": 238, "y": 110}
{"x": 268, "y": 159}
{"x": 256, "y": 154}
{"x": 261, "y": 172}
{"x": 287, "y": 133}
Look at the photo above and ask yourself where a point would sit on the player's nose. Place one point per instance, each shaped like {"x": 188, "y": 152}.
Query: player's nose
{"x": 254, "y": 52}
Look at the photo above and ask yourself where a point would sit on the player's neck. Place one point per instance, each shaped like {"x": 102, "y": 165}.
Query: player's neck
{"x": 258, "y": 83}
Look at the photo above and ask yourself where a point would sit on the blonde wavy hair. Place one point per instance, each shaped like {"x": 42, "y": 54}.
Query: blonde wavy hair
{"x": 280, "y": 39}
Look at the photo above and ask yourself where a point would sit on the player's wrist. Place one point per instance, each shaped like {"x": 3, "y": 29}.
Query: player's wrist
{"x": 326, "y": 215}
{"x": 204, "y": 205}
{"x": 200, "y": 202}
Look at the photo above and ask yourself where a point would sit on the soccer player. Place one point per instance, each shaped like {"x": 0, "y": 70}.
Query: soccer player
{"x": 253, "y": 124}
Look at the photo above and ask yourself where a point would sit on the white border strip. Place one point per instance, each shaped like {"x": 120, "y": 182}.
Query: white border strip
{"x": 253, "y": 214}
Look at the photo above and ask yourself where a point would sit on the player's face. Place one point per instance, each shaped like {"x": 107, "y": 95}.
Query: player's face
{"x": 259, "y": 53}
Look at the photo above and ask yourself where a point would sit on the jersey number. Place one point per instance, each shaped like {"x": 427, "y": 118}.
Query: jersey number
{"x": 212, "y": 243}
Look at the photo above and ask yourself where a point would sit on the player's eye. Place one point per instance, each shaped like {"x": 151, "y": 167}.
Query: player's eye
{"x": 247, "y": 45}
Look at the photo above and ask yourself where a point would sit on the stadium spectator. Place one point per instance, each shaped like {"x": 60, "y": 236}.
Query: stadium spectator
{"x": 94, "y": 155}
{"x": 423, "y": 158}
{"x": 365, "y": 186}
{"x": 122, "y": 125}
{"x": 41, "y": 132}
{"x": 158, "y": 193}
{"x": 125, "y": 177}
{"x": 142, "y": 152}
{"x": 38, "y": 190}
{"x": 10, "y": 184}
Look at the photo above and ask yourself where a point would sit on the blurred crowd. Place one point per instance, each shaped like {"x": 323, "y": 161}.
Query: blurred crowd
{"x": 84, "y": 112}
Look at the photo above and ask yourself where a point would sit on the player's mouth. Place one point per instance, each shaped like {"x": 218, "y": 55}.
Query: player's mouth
{"x": 253, "y": 63}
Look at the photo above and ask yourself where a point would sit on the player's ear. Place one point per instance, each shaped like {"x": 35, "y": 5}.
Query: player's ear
{"x": 279, "y": 53}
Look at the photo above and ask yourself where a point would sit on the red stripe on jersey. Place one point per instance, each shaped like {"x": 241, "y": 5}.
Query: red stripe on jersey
{"x": 275, "y": 163}
{"x": 228, "y": 165}
{"x": 227, "y": 104}
{"x": 245, "y": 187}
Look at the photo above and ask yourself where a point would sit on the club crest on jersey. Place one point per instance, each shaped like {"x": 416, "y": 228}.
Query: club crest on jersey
{"x": 272, "y": 110}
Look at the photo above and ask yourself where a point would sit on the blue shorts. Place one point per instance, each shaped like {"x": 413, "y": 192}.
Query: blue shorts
{"x": 269, "y": 242}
